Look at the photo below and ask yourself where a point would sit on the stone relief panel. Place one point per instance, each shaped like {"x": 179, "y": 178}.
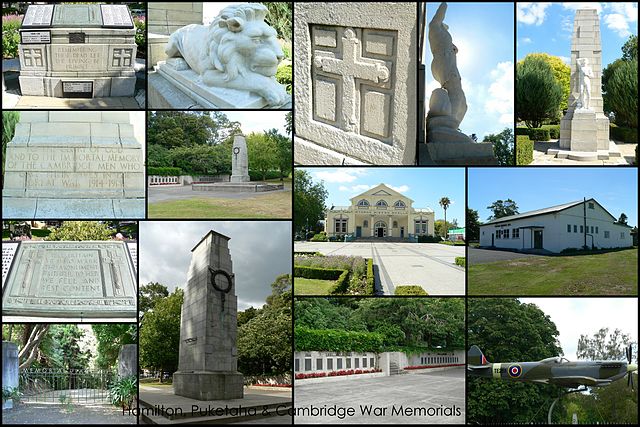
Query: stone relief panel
{"x": 353, "y": 79}
{"x": 33, "y": 57}
{"x": 121, "y": 57}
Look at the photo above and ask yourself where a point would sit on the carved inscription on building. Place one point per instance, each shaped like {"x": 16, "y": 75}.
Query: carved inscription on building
{"x": 71, "y": 57}
{"x": 353, "y": 79}
{"x": 88, "y": 279}
{"x": 43, "y": 159}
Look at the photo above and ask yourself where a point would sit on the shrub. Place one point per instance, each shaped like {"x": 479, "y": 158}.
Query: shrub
{"x": 539, "y": 134}
{"x": 317, "y": 272}
{"x": 320, "y": 237}
{"x": 10, "y": 35}
{"x": 258, "y": 176}
{"x": 283, "y": 76}
{"x": 370, "y": 289}
{"x": 554, "y": 131}
{"x": 623, "y": 134}
{"x": 140, "y": 24}
{"x": 342, "y": 284}
{"x": 622, "y": 93}
{"x": 461, "y": 261}
{"x": 81, "y": 230}
{"x": 429, "y": 239}
{"x": 164, "y": 171}
{"x": 410, "y": 290}
{"x": 524, "y": 150}
{"x": 123, "y": 391}
{"x": 335, "y": 340}
{"x": 538, "y": 93}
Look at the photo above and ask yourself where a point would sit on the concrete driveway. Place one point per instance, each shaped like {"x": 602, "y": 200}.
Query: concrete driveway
{"x": 430, "y": 265}
{"x": 485, "y": 256}
{"x": 417, "y": 391}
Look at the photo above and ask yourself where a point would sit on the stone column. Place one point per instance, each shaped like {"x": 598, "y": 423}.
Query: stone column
{"x": 128, "y": 360}
{"x": 390, "y": 226}
{"x": 208, "y": 356}
{"x": 239, "y": 160}
{"x": 9, "y": 369}
{"x": 371, "y": 225}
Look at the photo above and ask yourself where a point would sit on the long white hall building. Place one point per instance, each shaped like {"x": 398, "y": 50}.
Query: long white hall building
{"x": 557, "y": 228}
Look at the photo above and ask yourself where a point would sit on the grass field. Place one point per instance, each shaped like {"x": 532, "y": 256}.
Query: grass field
{"x": 611, "y": 273}
{"x": 268, "y": 205}
{"x": 302, "y": 286}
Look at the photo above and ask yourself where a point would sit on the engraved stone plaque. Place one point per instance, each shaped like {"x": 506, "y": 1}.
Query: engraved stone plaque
{"x": 35, "y": 37}
{"x": 77, "y": 89}
{"x": 116, "y": 15}
{"x": 8, "y": 252}
{"x": 77, "y": 37}
{"x": 71, "y": 279}
{"x": 38, "y": 15}
{"x": 77, "y": 15}
{"x": 133, "y": 251}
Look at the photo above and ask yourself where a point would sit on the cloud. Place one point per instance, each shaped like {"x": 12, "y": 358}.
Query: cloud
{"x": 618, "y": 24}
{"x": 531, "y": 13}
{"x": 582, "y": 5}
{"x": 500, "y": 100}
{"x": 525, "y": 40}
{"x": 165, "y": 253}
{"x": 400, "y": 189}
{"x": 340, "y": 175}
{"x": 565, "y": 59}
{"x": 361, "y": 188}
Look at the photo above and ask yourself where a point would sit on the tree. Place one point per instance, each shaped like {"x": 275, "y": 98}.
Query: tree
{"x": 507, "y": 331}
{"x": 203, "y": 159}
{"x": 32, "y": 336}
{"x": 604, "y": 345}
{"x": 440, "y": 229}
{"x": 173, "y": 129}
{"x": 502, "y": 146}
{"x": 160, "y": 334}
{"x": 502, "y": 208}
{"x": 561, "y": 73}
{"x": 621, "y": 92}
{"x": 444, "y": 203}
{"x": 630, "y": 48}
{"x": 111, "y": 337}
{"x": 283, "y": 153}
{"x": 81, "y": 230}
{"x": 288, "y": 126}
{"x": 308, "y": 200}
{"x": 623, "y": 219}
{"x": 473, "y": 225}
{"x": 262, "y": 153}
{"x": 150, "y": 294}
{"x": 538, "y": 94}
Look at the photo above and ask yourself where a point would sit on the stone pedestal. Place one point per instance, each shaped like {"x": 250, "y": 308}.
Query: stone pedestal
{"x": 239, "y": 160}
{"x": 9, "y": 369}
{"x": 207, "y": 365}
{"x": 128, "y": 360}
{"x": 585, "y": 130}
{"x": 84, "y": 164}
{"x": 356, "y": 82}
{"x": 460, "y": 154}
{"x": 77, "y": 51}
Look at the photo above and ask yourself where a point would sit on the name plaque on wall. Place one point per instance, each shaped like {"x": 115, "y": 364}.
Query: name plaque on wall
{"x": 35, "y": 37}
{"x": 116, "y": 16}
{"x": 77, "y": 89}
{"x": 38, "y": 15}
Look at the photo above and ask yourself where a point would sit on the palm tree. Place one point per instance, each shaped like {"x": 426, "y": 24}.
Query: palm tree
{"x": 445, "y": 202}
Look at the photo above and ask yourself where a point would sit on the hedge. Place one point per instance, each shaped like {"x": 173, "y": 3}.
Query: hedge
{"x": 257, "y": 175}
{"x": 370, "y": 290}
{"x": 524, "y": 150}
{"x": 335, "y": 340}
{"x": 317, "y": 272}
{"x": 429, "y": 239}
{"x": 342, "y": 284}
{"x": 623, "y": 134}
{"x": 410, "y": 290}
{"x": 164, "y": 171}
{"x": 320, "y": 237}
{"x": 461, "y": 261}
{"x": 536, "y": 134}
{"x": 554, "y": 131}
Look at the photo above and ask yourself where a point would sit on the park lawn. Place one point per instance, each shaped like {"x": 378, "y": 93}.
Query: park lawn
{"x": 269, "y": 205}
{"x": 611, "y": 273}
{"x": 302, "y": 286}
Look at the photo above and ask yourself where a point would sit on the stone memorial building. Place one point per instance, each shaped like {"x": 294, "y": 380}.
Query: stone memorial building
{"x": 379, "y": 213}
{"x": 77, "y": 51}
{"x": 355, "y": 85}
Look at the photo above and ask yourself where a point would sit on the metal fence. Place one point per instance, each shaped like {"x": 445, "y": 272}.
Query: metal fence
{"x": 65, "y": 386}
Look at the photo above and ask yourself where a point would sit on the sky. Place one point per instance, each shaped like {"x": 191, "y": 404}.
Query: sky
{"x": 425, "y": 186}
{"x": 258, "y": 121}
{"x": 585, "y": 316}
{"x": 535, "y": 188}
{"x": 483, "y": 34}
{"x": 548, "y": 27}
{"x": 165, "y": 253}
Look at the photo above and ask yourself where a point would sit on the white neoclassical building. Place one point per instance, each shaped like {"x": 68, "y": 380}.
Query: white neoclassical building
{"x": 571, "y": 225}
{"x": 381, "y": 213}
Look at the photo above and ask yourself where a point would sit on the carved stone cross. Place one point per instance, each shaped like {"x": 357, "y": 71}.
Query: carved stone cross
{"x": 32, "y": 57}
{"x": 352, "y": 66}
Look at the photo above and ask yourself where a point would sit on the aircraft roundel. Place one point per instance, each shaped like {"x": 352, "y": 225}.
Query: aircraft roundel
{"x": 515, "y": 371}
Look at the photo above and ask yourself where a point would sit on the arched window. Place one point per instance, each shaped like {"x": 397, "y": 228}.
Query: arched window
{"x": 399, "y": 204}
{"x": 381, "y": 204}
{"x": 363, "y": 203}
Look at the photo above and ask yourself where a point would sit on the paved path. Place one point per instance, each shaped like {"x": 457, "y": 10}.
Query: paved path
{"x": 416, "y": 391}
{"x": 430, "y": 265}
{"x": 485, "y": 256}
{"x": 184, "y": 192}
{"x": 57, "y": 414}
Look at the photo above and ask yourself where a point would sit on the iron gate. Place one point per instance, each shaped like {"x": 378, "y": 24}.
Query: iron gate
{"x": 77, "y": 386}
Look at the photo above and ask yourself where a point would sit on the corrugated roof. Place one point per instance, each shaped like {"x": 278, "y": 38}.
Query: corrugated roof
{"x": 551, "y": 209}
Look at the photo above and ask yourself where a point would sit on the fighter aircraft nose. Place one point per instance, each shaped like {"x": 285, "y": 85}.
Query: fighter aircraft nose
{"x": 631, "y": 367}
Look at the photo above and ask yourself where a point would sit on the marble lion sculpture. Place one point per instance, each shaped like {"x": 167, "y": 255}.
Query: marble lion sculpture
{"x": 238, "y": 50}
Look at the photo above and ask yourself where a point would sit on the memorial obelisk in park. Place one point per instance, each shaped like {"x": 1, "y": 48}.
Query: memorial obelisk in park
{"x": 208, "y": 357}
{"x": 584, "y": 129}
{"x": 239, "y": 160}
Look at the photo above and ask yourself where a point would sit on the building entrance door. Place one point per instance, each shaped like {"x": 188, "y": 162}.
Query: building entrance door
{"x": 402, "y": 232}
{"x": 358, "y": 231}
{"x": 380, "y": 229}
{"x": 537, "y": 239}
